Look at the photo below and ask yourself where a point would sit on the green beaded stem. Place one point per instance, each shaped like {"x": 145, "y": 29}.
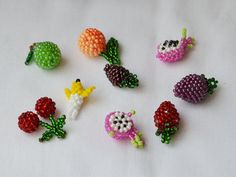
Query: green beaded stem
{"x": 54, "y": 129}
{"x": 212, "y": 84}
{"x": 184, "y": 33}
{"x": 30, "y": 55}
{"x": 130, "y": 81}
{"x": 137, "y": 142}
{"x": 112, "y": 52}
{"x": 166, "y": 133}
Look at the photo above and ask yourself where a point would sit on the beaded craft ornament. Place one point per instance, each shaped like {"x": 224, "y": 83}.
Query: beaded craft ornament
{"x": 92, "y": 43}
{"x": 76, "y": 96}
{"x": 120, "y": 126}
{"x": 174, "y": 50}
{"x": 166, "y": 120}
{"x": 194, "y": 88}
{"x": 46, "y": 55}
{"x": 30, "y": 122}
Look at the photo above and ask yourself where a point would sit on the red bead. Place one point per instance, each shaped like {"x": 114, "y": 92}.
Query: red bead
{"x": 28, "y": 122}
{"x": 166, "y": 113}
{"x": 45, "y": 107}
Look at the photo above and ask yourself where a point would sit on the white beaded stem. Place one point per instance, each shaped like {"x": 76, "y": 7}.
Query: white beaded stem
{"x": 73, "y": 107}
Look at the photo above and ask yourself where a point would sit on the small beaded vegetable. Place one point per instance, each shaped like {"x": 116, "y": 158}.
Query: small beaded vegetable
{"x": 76, "y": 96}
{"x": 120, "y": 126}
{"x": 46, "y": 55}
{"x": 194, "y": 88}
{"x": 30, "y": 122}
{"x": 92, "y": 43}
{"x": 174, "y": 50}
{"x": 166, "y": 120}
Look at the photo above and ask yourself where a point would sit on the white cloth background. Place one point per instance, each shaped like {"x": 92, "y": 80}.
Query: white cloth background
{"x": 205, "y": 146}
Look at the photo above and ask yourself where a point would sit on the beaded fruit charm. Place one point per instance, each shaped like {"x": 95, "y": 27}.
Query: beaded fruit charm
{"x": 47, "y": 55}
{"x": 92, "y": 43}
{"x": 166, "y": 120}
{"x": 194, "y": 88}
{"x": 174, "y": 50}
{"x": 30, "y": 122}
{"x": 120, "y": 126}
{"x": 76, "y": 96}
{"x": 45, "y": 107}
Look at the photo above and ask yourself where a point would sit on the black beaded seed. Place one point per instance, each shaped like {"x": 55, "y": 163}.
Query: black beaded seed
{"x": 164, "y": 44}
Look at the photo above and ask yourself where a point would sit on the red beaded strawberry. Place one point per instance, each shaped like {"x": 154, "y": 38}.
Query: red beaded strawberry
{"x": 45, "y": 107}
{"x": 166, "y": 119}
{"x": 28, "y": 122}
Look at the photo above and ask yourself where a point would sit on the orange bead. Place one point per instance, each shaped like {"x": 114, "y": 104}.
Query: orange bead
{"x": 92, "y": 42}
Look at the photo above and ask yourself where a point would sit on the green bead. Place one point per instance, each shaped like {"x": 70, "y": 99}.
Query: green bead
{"x": 54, "y": 129}
{"x": 46, "y": 55}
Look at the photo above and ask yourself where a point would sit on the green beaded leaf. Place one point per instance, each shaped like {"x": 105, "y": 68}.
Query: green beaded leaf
{"x": 130, "y": 81}
{"x": 55, "y": 129}
{"x": 166, "y": 134}
{"x": 112, "y": 52}
{"x": 212, "y": 84}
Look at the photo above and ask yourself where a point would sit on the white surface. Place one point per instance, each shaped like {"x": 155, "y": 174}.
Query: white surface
{"x": 205, "y": 145}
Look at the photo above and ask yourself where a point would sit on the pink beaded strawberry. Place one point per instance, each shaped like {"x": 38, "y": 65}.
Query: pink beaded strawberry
{"x": 174, "y": 50}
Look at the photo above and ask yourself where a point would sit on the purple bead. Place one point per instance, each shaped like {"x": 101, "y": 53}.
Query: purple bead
{"x": 192, "y": 88}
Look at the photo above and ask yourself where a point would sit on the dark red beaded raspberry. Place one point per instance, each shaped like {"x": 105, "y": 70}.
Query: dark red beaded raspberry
{"x": 121, "y": 77}
{"x": 194, "y": 88}
{"x": 28, "y": 122}
{"x": 45, "y": 107}
{"x": 166, "y": 120}
{"x": 116, "y": 74}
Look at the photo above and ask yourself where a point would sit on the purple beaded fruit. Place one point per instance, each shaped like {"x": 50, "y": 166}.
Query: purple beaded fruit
{"x": 120, "y": 76}
{"x": 194, "y": 88}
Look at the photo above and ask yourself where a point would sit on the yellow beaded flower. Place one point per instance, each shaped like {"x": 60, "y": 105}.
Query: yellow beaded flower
{"x": 77, "y": 88}
{"x": 75, "y": 97}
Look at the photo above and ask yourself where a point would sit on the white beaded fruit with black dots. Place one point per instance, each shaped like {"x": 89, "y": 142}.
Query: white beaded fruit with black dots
{"x": 169, "y": 46}
{"x": 120, "y": 122}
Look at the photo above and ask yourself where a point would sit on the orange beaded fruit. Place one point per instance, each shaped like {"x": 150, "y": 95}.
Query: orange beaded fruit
{"x": 92, "y": 42}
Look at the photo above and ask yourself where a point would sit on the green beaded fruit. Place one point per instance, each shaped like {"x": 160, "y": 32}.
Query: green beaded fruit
{"x": 47, "y": 55}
